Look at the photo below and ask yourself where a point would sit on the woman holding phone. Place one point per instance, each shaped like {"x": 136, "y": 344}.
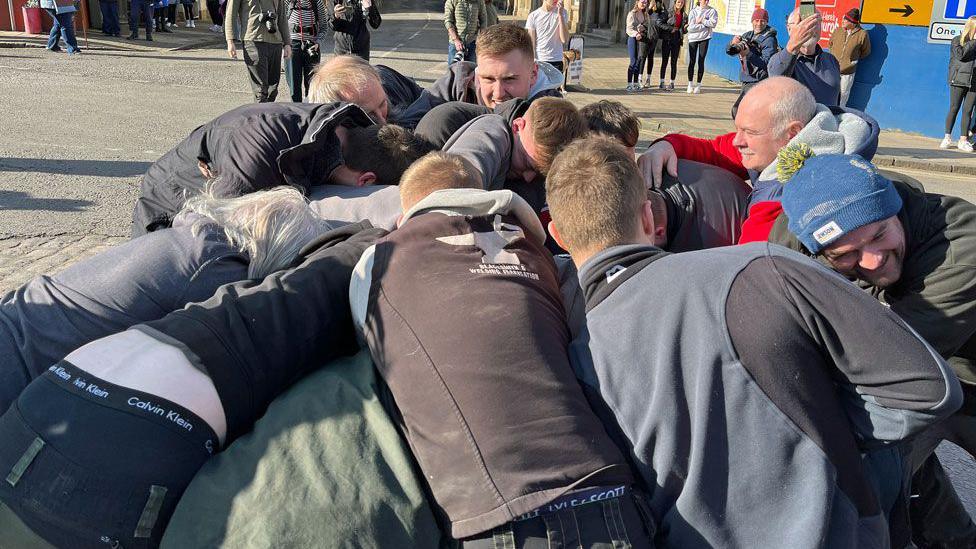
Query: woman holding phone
{"x": 348, "y": 19}
{"x": 962, "y": 91}
{"x": 701, "y": 25}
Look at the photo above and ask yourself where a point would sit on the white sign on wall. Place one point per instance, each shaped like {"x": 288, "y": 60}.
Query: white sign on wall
{"x": 948, "y": 18}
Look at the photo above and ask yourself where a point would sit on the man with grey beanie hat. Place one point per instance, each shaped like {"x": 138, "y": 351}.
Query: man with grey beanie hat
{"x": 916, "y": 252}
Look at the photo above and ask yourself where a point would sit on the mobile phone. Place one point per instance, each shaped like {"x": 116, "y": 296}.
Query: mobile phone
{"x": 807, "y": 8}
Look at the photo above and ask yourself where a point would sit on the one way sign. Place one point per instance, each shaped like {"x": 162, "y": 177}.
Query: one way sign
{"x": 912, "y": 13}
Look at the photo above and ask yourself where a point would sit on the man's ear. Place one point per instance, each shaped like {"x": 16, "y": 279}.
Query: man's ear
{"x": 365, "y": 178}
{"x": 647, "y": 220}
{"x": 518, "y": 125}
{"x": 535, "y": 74}
{"x": 554, "y": 233}
{"x": 794, "y": 128}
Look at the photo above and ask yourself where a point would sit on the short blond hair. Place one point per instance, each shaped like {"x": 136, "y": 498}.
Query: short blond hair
{"x": 501, "y": 39}
{"x": 342, "y": 78}
{"x": 555, "y": 123}
{"x": 595, "y": 195}
{"x": 434, "y": 172}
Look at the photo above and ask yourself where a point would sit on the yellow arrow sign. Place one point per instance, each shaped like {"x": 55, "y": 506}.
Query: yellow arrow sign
{"x": 912, "y": 13}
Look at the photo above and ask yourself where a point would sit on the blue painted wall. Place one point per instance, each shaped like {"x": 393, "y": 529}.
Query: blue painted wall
{"x": 902, "y": 83}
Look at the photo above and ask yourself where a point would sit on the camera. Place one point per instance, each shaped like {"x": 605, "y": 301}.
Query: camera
{"x": 743, "y": 46}
{"x": 311, "y": 49}
{"x": 459, "y": 56}
{"x": 268, "y": 18}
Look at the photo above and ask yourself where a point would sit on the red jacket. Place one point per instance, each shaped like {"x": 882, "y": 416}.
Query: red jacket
{"x": 721, "y": 153}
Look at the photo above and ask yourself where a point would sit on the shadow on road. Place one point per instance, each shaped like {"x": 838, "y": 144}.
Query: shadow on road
{"x": 16, "y": 200}
{"x": 103, "y": 168}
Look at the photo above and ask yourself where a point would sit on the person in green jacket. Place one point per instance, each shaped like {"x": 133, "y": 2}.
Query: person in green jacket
{"x": 266, "y": 40}
{"x": 920, "y": 260}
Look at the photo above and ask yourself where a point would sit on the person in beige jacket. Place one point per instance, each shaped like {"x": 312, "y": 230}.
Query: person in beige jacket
{"x": 266, "y": 40}
{"x": 849, "y": 43}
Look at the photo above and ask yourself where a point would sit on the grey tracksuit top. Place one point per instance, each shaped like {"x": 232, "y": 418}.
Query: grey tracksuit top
{"x": 747, "y": 380}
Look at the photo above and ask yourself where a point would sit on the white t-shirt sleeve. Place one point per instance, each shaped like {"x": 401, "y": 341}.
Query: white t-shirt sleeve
{"x": 530, "y": 21}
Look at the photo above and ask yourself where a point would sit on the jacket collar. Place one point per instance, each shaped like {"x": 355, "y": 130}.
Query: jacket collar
{"x": 606, "y": 271}
{"x": 310, "y": 162}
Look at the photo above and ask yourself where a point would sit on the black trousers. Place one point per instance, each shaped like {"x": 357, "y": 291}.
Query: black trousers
{"x": 646, "y": 54}
{"x": 263, "y": 60}
{"x": 298, "y": 70}
{"x": 213, "y": 8}
{"x": 697, "y": 52}
{"x": 669, "y": 53}
{"x": 966, "y": 98}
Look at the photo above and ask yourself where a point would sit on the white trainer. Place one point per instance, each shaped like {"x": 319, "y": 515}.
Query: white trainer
{"x": 964, "y": 145}
{"x": 691, "y": 87}
{"x": 697, "y": 88}
{"x": 946, "y": 142}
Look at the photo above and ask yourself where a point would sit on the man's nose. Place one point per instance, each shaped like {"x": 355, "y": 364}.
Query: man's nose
{"x": 378, "y": 117}
{"x": 871, "y": 259}
{"x": 738, "y": 140}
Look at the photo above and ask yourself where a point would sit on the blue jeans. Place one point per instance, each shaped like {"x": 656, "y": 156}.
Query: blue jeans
{"x": 64, "y": 27}
{"x": 110, "y": 16}
{"x": 144, "y": 8}
{"x": 636, "y": 63}
{"x": 468, "y": 53}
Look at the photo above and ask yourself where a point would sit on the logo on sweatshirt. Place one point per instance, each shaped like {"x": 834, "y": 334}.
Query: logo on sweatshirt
{"x": 614, "y": 272}
{"x": 496, "y": 259}
{"x": 829, "y": 232}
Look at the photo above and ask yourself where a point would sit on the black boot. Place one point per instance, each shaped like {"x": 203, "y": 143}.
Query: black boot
{"x": 148, "y": 36}
{"x": 134, "y": 35}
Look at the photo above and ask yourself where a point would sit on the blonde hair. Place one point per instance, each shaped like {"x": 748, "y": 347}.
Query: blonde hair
{"x": 342, "y": 78}
{"x": 635, "y": 9}
{"x": 968, "y": 30}
{"x": 434, "y": 172}
{"x": 595, "y": 195}
{"x": 271, "y": 226}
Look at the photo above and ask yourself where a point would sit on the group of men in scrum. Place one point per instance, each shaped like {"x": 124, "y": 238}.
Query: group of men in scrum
{"x": 664, "y": 384}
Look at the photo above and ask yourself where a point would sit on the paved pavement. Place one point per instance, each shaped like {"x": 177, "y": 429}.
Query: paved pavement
{"x": 78, "y": 132}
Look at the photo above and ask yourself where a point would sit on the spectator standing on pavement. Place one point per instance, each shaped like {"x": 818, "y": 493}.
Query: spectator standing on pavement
{"x": 636, "y": 34}
{"x": 849, "y": 43}
{"x": 348, "y": 20}
{"x": 672, "y": 32}
{"x": 701, "y": 25}
{"x": 140, "y": 9}
{"x": 63, "y": 26}
{"x": 171, "y": 14}
{"x": 961, "y": 80}
{"x": 463, "y": 19}
{"x": 806, "y": 62}
{"x": 110, "y": 17}
{"x": 159, "y": 10}
{"x": 188, "y": 13}
{"x": 266, "y": 39}
{"x": 754, "y": 49}
{"x": 216, "y": 16}
{"x": 307, "y": 19}
{"x": 549, "y": 28}
{"x": 655, "y": 25}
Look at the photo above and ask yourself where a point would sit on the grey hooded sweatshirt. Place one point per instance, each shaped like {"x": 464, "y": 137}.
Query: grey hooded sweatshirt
{"x": 747, "y": 380}
{"x": 461, "y": 84}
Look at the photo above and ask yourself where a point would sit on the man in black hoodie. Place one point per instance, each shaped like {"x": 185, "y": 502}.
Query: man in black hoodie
{"x": 261, "y": 146}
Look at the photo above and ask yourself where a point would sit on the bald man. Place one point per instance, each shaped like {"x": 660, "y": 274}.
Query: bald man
{"x": 377, "y": 89}
{"x": 804, "y": 60}
{"x": 773, "y": 114}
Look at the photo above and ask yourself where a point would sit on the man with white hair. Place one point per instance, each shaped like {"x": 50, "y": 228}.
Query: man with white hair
{"x": 774, "y": 113}
{"x": 214, "y": 241}
{"x": 377, "y": 89}
{"x": 806, "y": 62}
